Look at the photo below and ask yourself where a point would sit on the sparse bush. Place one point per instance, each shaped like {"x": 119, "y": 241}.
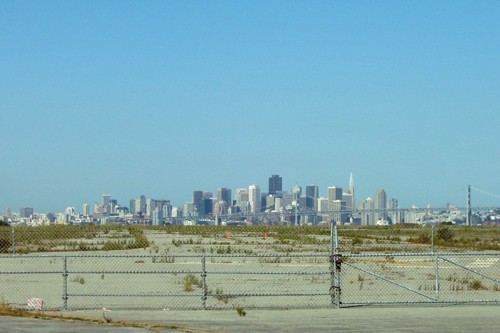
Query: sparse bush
{"x": 78, "y": 279}
{"x": 241, "y": 312}
{"x": 357, "y": 241}
{"x": 220, "y": 297}
{"x": 424, "y": 238}
{"x": 5, "y": 245}
{"x": 445, "y": 234}
{"x": 190, "y": 280}
{"x": 476, "y": 285}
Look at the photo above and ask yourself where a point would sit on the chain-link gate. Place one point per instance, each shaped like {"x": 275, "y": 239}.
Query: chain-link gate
{"x": 424, "y": 278}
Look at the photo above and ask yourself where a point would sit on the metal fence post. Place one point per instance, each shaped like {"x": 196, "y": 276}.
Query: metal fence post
{"x": 13, "y": 241}
{"x": 204, "y": 282}
{"x": 65, "y": 283}
{"x": 432, "y": 238}
{"x": 437, "y": 277}
{"x": 335, "y": 262}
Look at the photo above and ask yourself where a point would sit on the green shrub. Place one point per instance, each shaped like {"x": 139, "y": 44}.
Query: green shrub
{"x": 445, "y": 234}
{"x": 241, "y": 312}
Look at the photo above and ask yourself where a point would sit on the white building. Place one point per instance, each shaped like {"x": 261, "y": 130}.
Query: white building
{"x": 254, "y": 199}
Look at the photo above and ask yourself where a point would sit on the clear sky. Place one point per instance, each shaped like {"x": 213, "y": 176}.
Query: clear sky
{"x": 165, "y": 97}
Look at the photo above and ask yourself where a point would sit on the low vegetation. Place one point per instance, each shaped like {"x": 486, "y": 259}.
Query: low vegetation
{"x": 247, "y": 240}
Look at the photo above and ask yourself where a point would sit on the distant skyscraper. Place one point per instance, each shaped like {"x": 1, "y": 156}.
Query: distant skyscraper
{"x": 367, "y": 215}
{"x": 347, "y": 197}
{"x": 86, "y": 210}
{"x": 206, "y": 207}
{"x": 312, "y": 193}
{"x": 140, "y": 204}
{"x": 254, "y": 199}
{"x": 188, "y": 209}
{"x": 351, "y": 190}
{"x": 339, "y": 211}
{"x": 132, "y": 206}
{"x": 26, "y": 212}
{"x": 322, "y": 204}
{"x": 224, "y": 194}
{"x": 157, "y": 216}
{"x": 241, "y": 197}
{"x": 334, "y": 193}
{"x": 395, "y": 214}
{"x": 197, "y": 196}
{"x": 381, "y": 205}
{"x": 275, "y": 184}
{"x": 150, "y": 207}
{"x": 105, "y": 199}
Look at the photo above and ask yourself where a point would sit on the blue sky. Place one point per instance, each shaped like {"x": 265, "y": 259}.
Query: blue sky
{"x": 165, "y": 97}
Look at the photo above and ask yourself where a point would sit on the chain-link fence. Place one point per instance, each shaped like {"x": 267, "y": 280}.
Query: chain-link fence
{"x": 207, "y": 267}
{"x": 424, "y": 278}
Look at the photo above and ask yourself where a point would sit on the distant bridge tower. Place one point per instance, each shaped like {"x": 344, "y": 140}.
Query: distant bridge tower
{"x": 469, "y": 214}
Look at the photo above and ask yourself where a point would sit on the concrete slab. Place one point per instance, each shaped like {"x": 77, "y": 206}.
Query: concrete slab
{"x": 408, "y": 319}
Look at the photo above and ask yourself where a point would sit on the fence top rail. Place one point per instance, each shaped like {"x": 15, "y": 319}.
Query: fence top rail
{"x": 267, "y": 255}
{"x": 427, "y": 254}
{"x": 264, "y": 255}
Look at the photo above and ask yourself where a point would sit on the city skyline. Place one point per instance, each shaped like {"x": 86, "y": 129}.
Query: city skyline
{"x": 164, "y": 98}
{"x": 252, "y": 192}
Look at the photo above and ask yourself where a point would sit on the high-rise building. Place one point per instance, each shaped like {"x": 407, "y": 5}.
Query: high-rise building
{"x": 188, "y": 209}
{"x": 288, "y": 199}
{"x": 275, "y": 184}
{"x": 312, "y": 193}
{"x": 176, "y": 212}
{"x": 351, "y": 191}
{"x": 105, "y": 199}
{"x": 254, "y": 199}
{"x": 278, "y": 204}
{"x": 26, "y": 212}
{"x": 106, "y": 205}
{"x": 220, "y": 208}
{"x": 197, "y": 196}
{"x": 339, "y": 211}
{"x": 269, "y": 204}
{"x": 334, "y": 193}
{"x": 86, "y": 209}
{"x": 224, "y": 194}
{"x": 367, "y": 214}
{"x": 322, "y": 204}
{"x": 347, "y": 197}
{"x": 132, "y": 206}
{"x": 162, "y": 205}
{"x": 140, "y": 205}
{"x": 241, "y": 196}
{"x": 206, "y": 207}
{"x": 381, "y": 205}
{"x": 395, "y": 214}
{"x": 157, "y": 216}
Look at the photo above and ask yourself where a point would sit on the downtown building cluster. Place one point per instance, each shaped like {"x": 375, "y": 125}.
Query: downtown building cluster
{"x": 249, "y": 205}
